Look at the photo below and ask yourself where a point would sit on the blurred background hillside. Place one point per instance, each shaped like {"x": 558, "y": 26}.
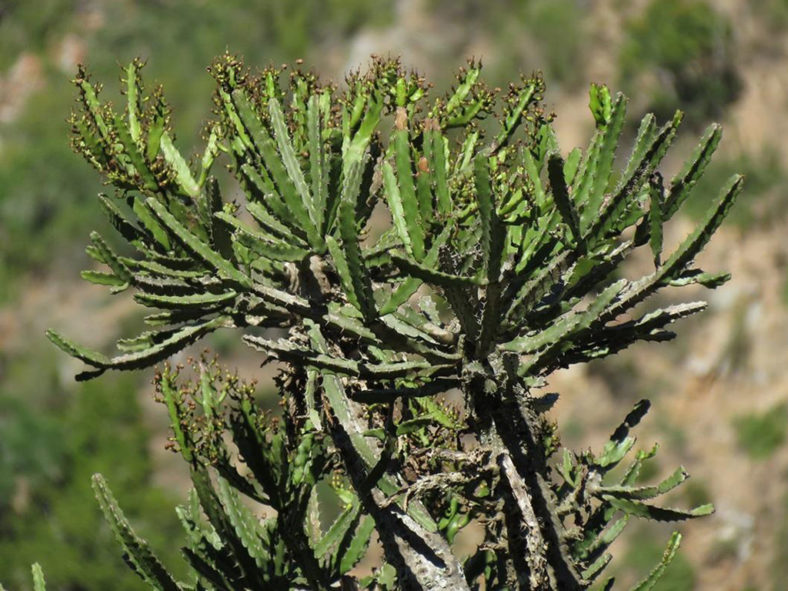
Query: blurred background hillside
{"x": 720, "y": 390}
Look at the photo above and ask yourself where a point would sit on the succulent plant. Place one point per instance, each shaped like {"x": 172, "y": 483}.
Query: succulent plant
{"x": 419, "y": 266}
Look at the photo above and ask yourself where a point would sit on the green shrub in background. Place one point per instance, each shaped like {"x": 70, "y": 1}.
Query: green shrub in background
{"x": 766, "y": 178}
{"x": 29, "y": 450}
{"x": 498, "y": 267}
{"x": 547, "y": 21}
{"x": 44, "y": 193}
{"x": 32, "y": 26}
{"x": 687, "y": 45}
{"x": 529, "y": 34}
{"x": 779, "y": 567}
{"x": 761, "y": 434}
{"x": 47, "y": 458}
{"x": 773, "y": 13}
